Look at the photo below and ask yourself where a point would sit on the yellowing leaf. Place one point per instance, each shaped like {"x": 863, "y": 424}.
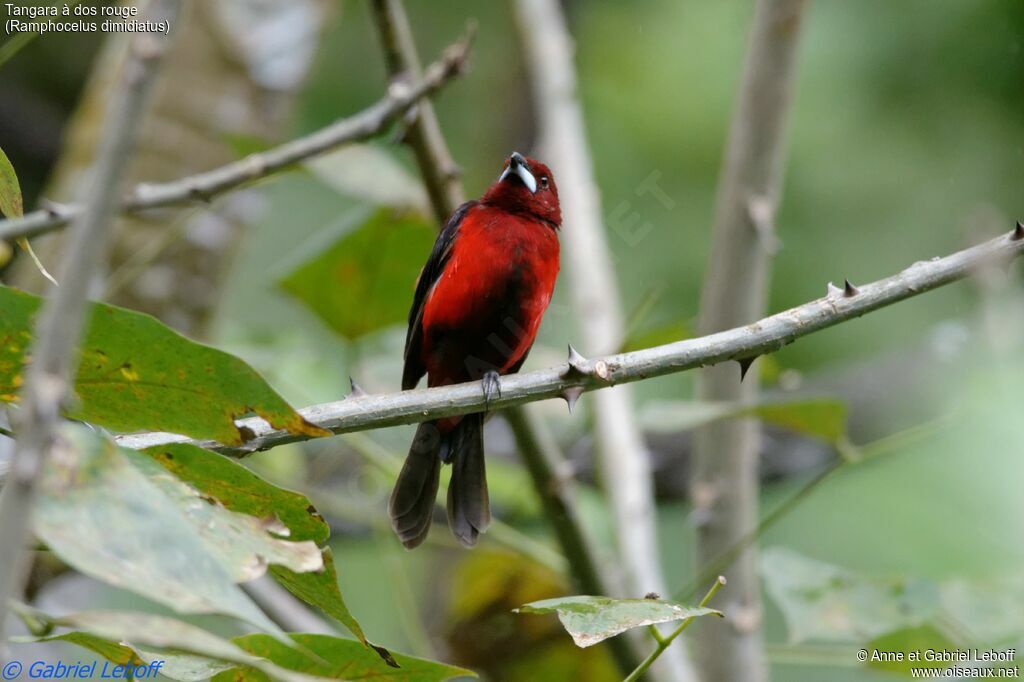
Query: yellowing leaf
{"x": 10, "y": 189}
{"x": 136, "y": 374}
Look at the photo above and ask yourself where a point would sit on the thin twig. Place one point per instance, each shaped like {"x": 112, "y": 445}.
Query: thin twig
{"x": 724, "y": 480}
{"x": 764, "y": 336}
{"x": 423, "y": 132}
{"x": 60, "y": 322}
{"x": 205, "y": 186}
{"x": 622, "y": 456}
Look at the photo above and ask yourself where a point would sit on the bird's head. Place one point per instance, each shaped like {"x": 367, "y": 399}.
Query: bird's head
{"x": 526, "y": 186}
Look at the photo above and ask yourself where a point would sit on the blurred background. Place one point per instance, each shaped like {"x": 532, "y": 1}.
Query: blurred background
{"x": 906, "y": 142}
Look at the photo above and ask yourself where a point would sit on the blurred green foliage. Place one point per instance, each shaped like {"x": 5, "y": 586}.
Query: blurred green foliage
{"x": 362, "y": 282}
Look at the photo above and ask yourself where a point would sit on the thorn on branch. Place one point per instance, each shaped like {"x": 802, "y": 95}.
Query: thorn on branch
{"x": 56, "y": 210}
{"x": 357, "y": 390}
{"x": 577, "y": 365}
{"x": 1018, "y": 232}
{"x": 745, "y": 364}
{"x": 571, "y": 395}
{"x": 455, "y": 57}
{"x": 849, "y": 290}
{"x": 832, "y": 291}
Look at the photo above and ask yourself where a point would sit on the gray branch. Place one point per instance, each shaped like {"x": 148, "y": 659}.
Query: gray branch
{"x": 401, "y": 97}
{"x": 365, "y": 412}
{"x": 423, "y": 132}
{"x": 59, "y": 325}
{"x": 724, "y": 483}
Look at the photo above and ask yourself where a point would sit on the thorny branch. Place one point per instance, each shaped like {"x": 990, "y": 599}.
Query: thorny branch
{"x": 363, "y": 412}
{"x": 371, "y": 121}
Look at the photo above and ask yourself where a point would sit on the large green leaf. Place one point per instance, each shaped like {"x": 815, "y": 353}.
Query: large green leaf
{"x": 176, "y": 666}
{"x": 117, "y": 516}
{"x": 112, "y": 651}
{"x": 364, "y": 280}
{"x": 341, "y": 659}
{"x": 10, "y": 190}
{"x": 321, "y": 590}
{"x": 244, "y": 544}
{"x": 135, "y": 374}
{"x": 593, "y": 619}
{"x": 136, "y": 630}
{"x": 240, "y": 490}
{"x": 827, "y": 603}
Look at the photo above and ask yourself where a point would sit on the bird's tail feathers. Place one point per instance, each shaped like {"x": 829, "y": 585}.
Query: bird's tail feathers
{"x": 469, "y": 512}
{"x": 411, "y": 506}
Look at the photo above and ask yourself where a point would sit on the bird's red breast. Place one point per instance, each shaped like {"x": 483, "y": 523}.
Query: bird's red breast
{"x": 487, "y": 283}
{"x": 486, "y": 307}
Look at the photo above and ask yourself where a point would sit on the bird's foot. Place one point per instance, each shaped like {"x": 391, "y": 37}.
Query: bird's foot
{"x": 492, "y": 388}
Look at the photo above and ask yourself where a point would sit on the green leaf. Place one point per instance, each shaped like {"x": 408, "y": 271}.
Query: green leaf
{"x": 135, "y": 374}
{"x": 321, "y": 590}
{"x": 117, "y": 516}
{"x": 163, "y": 633}
{"x": 827, "y": 603}
{"x": 184, "y": 667}
{"x": 593, "y": 619}
{"x": 10, "y": 189}
{"x": 824, "y": 419}
{"x": 176, "y": 666}
{"x": 112, "y": 651}
{"x": 364, "y": 281}
{"x": 244, "y": 544}
{"x": 242, "y": 491}
{"x": 340, "y": 659}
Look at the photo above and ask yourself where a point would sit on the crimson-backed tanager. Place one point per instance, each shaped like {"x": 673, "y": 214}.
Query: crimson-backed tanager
{"x": 478, "y": 303}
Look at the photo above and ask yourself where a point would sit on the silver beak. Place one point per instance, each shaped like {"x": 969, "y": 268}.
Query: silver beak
{"x": 517, "y": 165}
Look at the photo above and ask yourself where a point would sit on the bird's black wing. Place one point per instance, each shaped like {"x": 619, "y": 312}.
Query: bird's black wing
{"x": 414, "y": 368}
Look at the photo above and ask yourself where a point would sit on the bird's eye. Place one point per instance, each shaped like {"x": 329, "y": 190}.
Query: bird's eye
{"x": 544, "y": 181}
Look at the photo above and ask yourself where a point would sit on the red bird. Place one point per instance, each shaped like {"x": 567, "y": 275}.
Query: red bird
{"x": 478, "y": 303}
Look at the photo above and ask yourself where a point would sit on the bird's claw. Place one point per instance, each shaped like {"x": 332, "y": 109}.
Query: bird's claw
{"x": 492, "y": 388}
